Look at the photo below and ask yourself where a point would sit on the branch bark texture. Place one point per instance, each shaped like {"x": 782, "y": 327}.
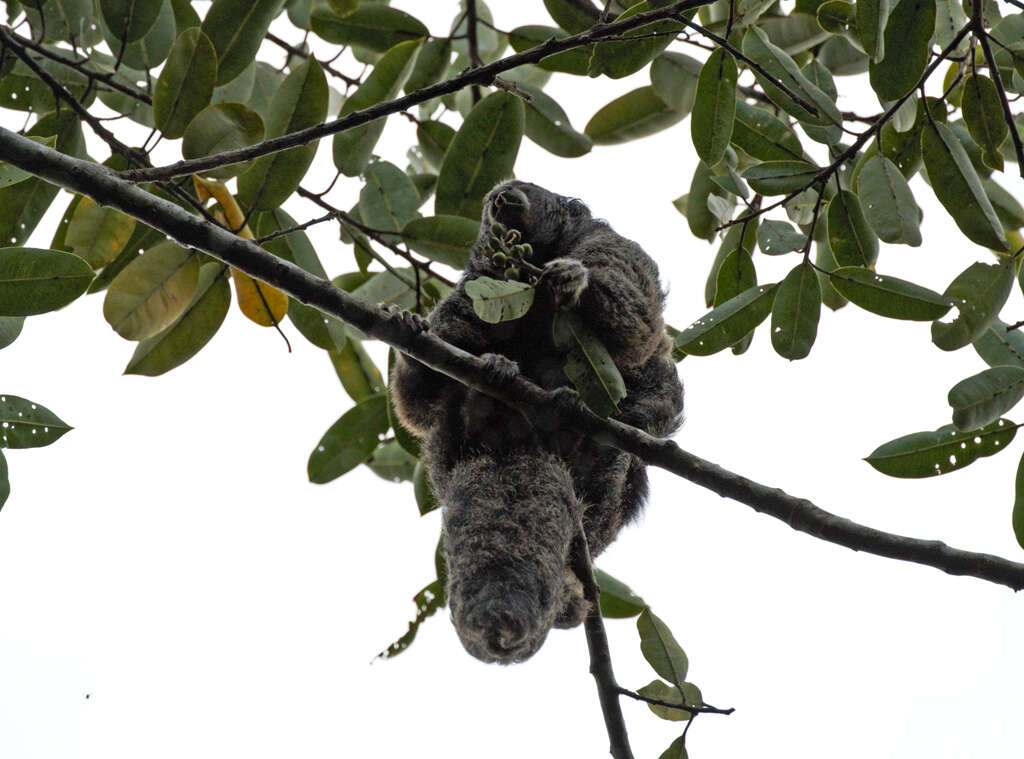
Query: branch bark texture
{"x": 107, "y": 188}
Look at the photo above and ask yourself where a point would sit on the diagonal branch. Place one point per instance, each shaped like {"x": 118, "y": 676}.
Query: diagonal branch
{"x": 107, "y": 188}
{"x": 481, "y": 75}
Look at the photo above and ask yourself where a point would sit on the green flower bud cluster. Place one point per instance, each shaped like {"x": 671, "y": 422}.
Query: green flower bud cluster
{"x": 506, "y": 251}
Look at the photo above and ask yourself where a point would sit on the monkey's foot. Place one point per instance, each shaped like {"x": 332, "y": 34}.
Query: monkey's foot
{"x": 574, "y": 605}
{"x": 565, "y": 278}
{"x": 410, "y": 321}
{"x": 500, "y": 370}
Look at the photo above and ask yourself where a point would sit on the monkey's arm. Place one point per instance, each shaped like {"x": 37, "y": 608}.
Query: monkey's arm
{"x": 654, "y": 401}
{"x": 419, "y": 392}
{"x": 622, "y": 299}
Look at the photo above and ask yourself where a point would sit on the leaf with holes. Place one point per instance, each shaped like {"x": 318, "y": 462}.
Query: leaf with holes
{"x": 34, "y": 281}
{"x": 191, "y": 331}
{"x": 795, "y": 313}
{"x": 889, "y": 296}
{"x": 979, "y": 293}
{"x": 888, "y": 202}
{"x": 728, "y": 323}
{"x": 24, "y": 424}
{"x": 776, "y": 238}
{"x": 928, "y": 454}
{"x": 427, "y": 601}
{"x": 999, "y": 347}
{"x": 350, "y": 440}
{"x": 151, "y": 291}
{"x": 986, "y": 396}
{"x": 588, "y": 365}
{"x": 498, "y": 300}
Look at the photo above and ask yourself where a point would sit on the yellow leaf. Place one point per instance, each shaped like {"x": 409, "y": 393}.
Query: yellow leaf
{"x": 259, "y": 301}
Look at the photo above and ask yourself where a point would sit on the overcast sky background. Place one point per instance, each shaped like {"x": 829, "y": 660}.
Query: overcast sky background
{"x": 171, "y": 585}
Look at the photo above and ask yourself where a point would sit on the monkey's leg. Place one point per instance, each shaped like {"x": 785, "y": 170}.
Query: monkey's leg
{"x": 508, "y": 524}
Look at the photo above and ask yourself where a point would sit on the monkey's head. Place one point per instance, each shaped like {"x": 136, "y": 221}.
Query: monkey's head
{"x": 546, "y": 220}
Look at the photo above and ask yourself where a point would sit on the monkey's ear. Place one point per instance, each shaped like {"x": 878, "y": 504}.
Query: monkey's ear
{"x": 577, "y": 207}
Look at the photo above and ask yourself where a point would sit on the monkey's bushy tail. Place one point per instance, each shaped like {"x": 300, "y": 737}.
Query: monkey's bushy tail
{"x": 508, "y": 525}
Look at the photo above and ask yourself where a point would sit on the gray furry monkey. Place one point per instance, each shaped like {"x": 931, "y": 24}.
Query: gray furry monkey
{"x": 513, "y": 488}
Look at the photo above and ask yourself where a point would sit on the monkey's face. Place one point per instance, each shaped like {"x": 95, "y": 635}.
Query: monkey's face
{"x": 542, "y": 217}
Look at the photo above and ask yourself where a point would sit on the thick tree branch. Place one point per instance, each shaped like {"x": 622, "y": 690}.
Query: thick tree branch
{"x": 608, "y": 689}
{"x": 483, "y": 75}
{"x": 107, "y": 188}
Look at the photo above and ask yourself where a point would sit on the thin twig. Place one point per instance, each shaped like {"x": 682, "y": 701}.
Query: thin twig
{"x": 982, "y": 35}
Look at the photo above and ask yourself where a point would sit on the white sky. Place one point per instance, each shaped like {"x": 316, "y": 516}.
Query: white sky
{"x": 171, "y": 584}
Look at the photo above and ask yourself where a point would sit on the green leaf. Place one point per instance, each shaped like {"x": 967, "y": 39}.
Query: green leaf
{"x": 957, "y": 185}
{"x": 776, "y": 238}
{"x": 426, "y": 501}
{"x": 151, "y": 291}
{"x": 356, "y": 371}
{"x": 1007, "y": 208}
{"x": 34, "y": 281}
{"x": 389, "y": 199}
{"x": 1018, "y": 505}
{"x": 98, "y": 233}
{"x": 999, "y": 347}
{"x": 481, "y": 155}
{"x": 927, "y": 454}
{"x": 353, "y": 147}
{"x": 660, "y": 648}
{"x": 386, "y": 287}
{"x": 237, "y": 28}
{"x": 221, "y": 127}
{"x": 129, "y": 20}
{"x": 662, "y": 691}
{"x": 350, "y": 440}
{"x": 780, "y": 177}
{"x": 11, "y": 175}
{"x": 715, "y": 107}
{"x": 983, "y": 114}
{"x": 728, "y": 323}
{"x": 548, "y": 126}
{"x": 871, "y": 18}
{"x": 10, "y": 328}
{"x": 674, "y": 79}
{"x": 446, "y": 239}
{"x": 152, "y": 48}
{"x": 391, "y": 462}
{"x": 192, "y": 330}
{"x": 636, "y": 114}
{"x": 889, "y": 296}
{"x": 907, "y": 47}
{"x": 775, "y": 60}
{"x": 499, "y": 301}
{"x": 698, "y": 214}
{"x": 575, "y": 61}
{"x": 300, "y": 102}
{"x": 761, "y": 135}
{"x": 373, "y": 26}
{"x": 5, "y": 482}
{"x": 850, "y": 236}
{"x": 61, "y": 20}
{"x": 979, "y": 293}
{"x": 427, "y": 601}
{"x": 24, "y": 424}
{"x": 186, "y": 82}
{"x": 888, "y": 202}
{"x": 431, "y": 64}
{"x": 677, "y": 750}
{"x": 571, "y": 16}
{"x": 588, "y": 365}
{"x": 984, "y": 397}
{"x": 826, "y": 264}
{"x": 617, "y": 600}
{"x": 735, "y": 273}
{"x": 795, "y": 313}
{"x": 636, "y": 48}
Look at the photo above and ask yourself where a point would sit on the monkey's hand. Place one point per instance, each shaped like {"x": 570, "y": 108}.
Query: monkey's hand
{"x": 410, "y": 321}
{"x": 565, "y": 279}
{"x": 500, "y": 370}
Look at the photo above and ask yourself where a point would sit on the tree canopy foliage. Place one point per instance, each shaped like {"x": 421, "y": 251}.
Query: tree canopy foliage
{"x": 783, "y": 171}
